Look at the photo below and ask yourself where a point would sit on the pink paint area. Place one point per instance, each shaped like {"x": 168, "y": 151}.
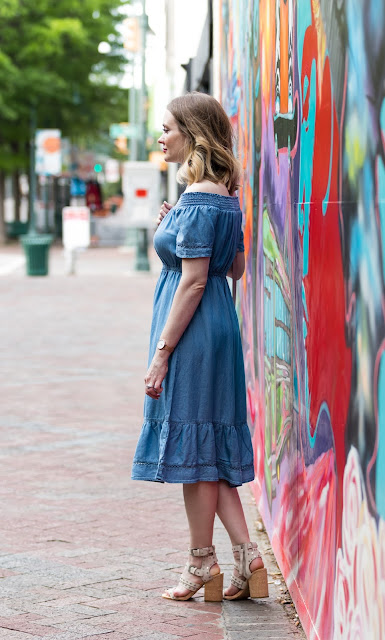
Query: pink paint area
{"x": 303, "y": 539}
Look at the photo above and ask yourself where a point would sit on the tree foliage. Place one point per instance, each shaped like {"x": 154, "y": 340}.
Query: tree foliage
{"x": 49, "y": 60}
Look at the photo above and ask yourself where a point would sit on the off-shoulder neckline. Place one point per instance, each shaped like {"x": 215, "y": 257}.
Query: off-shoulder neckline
{"x": 208, "y": 193}
{"x": 208, "y": 199}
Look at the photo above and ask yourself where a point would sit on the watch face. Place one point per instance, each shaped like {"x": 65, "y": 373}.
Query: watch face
{"x": 161, "y": 344}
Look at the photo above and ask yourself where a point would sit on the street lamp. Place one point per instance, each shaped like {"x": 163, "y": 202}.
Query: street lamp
{"x": 36, "y": 246}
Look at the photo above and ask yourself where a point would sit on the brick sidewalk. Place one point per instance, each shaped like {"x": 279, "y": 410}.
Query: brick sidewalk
{"x": 85, "y": 552}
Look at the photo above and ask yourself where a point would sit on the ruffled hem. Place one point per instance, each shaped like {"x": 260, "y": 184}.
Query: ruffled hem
{"x": 179, "y": 452}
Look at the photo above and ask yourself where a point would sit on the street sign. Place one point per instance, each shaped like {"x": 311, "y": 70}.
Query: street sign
{"x": 124, "y": 130}
{"x": 48, "y": 152}
{"x": 76, "y": 227}
{"x": 141, "y": 189}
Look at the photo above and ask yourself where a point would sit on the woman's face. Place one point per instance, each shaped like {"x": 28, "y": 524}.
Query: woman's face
{"x": 172, "y": 140}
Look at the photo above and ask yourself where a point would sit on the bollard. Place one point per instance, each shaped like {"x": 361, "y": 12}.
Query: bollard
{"x": 141, "y": 258}
{"x": 70, "y": 261}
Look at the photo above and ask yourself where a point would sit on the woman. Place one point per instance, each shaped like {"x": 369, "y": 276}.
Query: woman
{"x": 195, "y": 429}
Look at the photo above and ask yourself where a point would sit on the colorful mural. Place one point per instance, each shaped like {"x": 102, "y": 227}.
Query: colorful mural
{"x": 304, "y": 85}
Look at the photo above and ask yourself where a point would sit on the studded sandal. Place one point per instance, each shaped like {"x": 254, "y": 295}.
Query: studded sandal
{"x": 213, "y": 584}
{"x": 254, "y": 583}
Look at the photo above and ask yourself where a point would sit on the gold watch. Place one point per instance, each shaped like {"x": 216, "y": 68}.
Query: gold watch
{"x": 162, "y": 345}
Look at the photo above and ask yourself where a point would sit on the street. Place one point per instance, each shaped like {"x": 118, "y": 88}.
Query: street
{"x": 85, "y": 551}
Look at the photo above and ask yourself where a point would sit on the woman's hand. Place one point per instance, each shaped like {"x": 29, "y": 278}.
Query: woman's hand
{"x": 156, "y": 374}
{"x": 165, "y": 208}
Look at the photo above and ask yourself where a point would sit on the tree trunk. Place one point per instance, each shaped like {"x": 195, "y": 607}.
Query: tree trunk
{"x": 3, "y": 237}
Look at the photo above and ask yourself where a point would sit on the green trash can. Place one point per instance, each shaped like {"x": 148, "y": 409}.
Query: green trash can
{"x": 36, "y": 248}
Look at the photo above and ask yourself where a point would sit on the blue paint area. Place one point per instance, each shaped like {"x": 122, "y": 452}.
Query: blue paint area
{"x": 380, "y": 462}
{"x": 306, "y": 165}
{"x": 256, "y": 28}
{"x": 323, "y": 438}
{"x": 304, "y": 20}
{"x": 368, "y": 231}
{"x": 376, "y": 10}
{"x": 355, "y": 249}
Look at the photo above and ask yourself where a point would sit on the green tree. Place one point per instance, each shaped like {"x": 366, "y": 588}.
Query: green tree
{"x": 49, "y": 61}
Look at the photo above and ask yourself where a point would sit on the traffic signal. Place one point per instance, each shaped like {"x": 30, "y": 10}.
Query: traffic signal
{"x": 132, "y": 34}
{"x": 121, "y": 145}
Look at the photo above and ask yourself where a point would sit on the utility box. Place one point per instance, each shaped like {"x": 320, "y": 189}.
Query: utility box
{"x": 141, "y": 191}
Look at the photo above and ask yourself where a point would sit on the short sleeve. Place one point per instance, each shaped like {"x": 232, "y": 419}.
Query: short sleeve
{"x": 196, "y": 233}
{"x": 241, "y": 246}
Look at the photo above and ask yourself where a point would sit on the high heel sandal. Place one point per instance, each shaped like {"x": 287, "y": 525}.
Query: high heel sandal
{"x": 213, "y": 584}
{"x": 255, "y": 582}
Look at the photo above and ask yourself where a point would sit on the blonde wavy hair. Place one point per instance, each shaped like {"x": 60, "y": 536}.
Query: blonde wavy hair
{"x": 209, "y": 141}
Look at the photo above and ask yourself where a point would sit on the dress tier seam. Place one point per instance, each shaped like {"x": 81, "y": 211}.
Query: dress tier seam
{"x": 197, "y": 422}
{"x": 193, "y": 466}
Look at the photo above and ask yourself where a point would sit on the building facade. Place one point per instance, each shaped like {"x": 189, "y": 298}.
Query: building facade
{"x": 304, "y": 85}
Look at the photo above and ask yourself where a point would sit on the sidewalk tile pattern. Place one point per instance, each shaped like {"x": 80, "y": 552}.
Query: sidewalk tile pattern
{"x": 85, "y": 552}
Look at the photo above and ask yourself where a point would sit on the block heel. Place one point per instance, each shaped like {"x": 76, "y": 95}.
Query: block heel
{"x": 214, "y": 589}
{"x": 258, "y": 586}
{"x": 213, "y": 584}
{"x": 250, "y": 584}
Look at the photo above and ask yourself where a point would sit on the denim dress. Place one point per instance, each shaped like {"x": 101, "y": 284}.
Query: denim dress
{"x": 197, "y": 429}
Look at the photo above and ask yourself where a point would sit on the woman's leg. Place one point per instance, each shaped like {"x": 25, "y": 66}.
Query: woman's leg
{"x": 230, "y": 511}
{"x": 200, "y": 500}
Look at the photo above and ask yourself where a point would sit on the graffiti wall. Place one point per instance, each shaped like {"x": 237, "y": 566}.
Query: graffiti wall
{"x": 304, "y": 84}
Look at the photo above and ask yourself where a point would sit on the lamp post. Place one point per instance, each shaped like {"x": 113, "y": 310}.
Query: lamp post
{"x": 137, "y": 28}
{"x": 32, "y": 173}
{"x": 36, "y": 246}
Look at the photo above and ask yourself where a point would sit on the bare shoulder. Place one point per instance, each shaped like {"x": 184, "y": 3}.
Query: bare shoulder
{"x": 205, "y": 186}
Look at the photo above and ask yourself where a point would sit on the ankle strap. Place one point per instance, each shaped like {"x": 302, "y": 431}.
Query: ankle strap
{"x": 204, "y": 551}
{"x": 246, "y": 546}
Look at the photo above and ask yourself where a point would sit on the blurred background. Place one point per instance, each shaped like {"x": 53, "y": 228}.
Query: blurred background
{"x": 84, "y": 88}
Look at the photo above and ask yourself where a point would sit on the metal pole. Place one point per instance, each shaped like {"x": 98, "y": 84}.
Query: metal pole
{"x": 142, "y": 262}
{"x": 32, "y": 174}
{"x": 46, "y": 204}
{"x": 132, "y": 115}
{"x": 142, "y": 100}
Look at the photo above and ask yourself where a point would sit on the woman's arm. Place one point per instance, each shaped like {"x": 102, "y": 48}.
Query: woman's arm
{"x": 186, "y": 300}
{"x": 238, "y": 267}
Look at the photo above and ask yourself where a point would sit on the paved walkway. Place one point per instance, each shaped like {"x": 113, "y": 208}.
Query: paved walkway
{"x": 85, "y": 552}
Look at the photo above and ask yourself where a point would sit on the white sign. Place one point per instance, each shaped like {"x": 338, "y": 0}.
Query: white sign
{"x": 76, "y": 227}
{"x": 141, "y": 189}
{"x": 112, "y": 170}
{"x": 48, "y": 152}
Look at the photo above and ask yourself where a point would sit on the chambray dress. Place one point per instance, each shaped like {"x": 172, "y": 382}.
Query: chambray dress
{"x": 197, "y": 429}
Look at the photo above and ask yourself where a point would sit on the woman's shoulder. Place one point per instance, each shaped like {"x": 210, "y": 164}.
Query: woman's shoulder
{"x": 205, "y": 186}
